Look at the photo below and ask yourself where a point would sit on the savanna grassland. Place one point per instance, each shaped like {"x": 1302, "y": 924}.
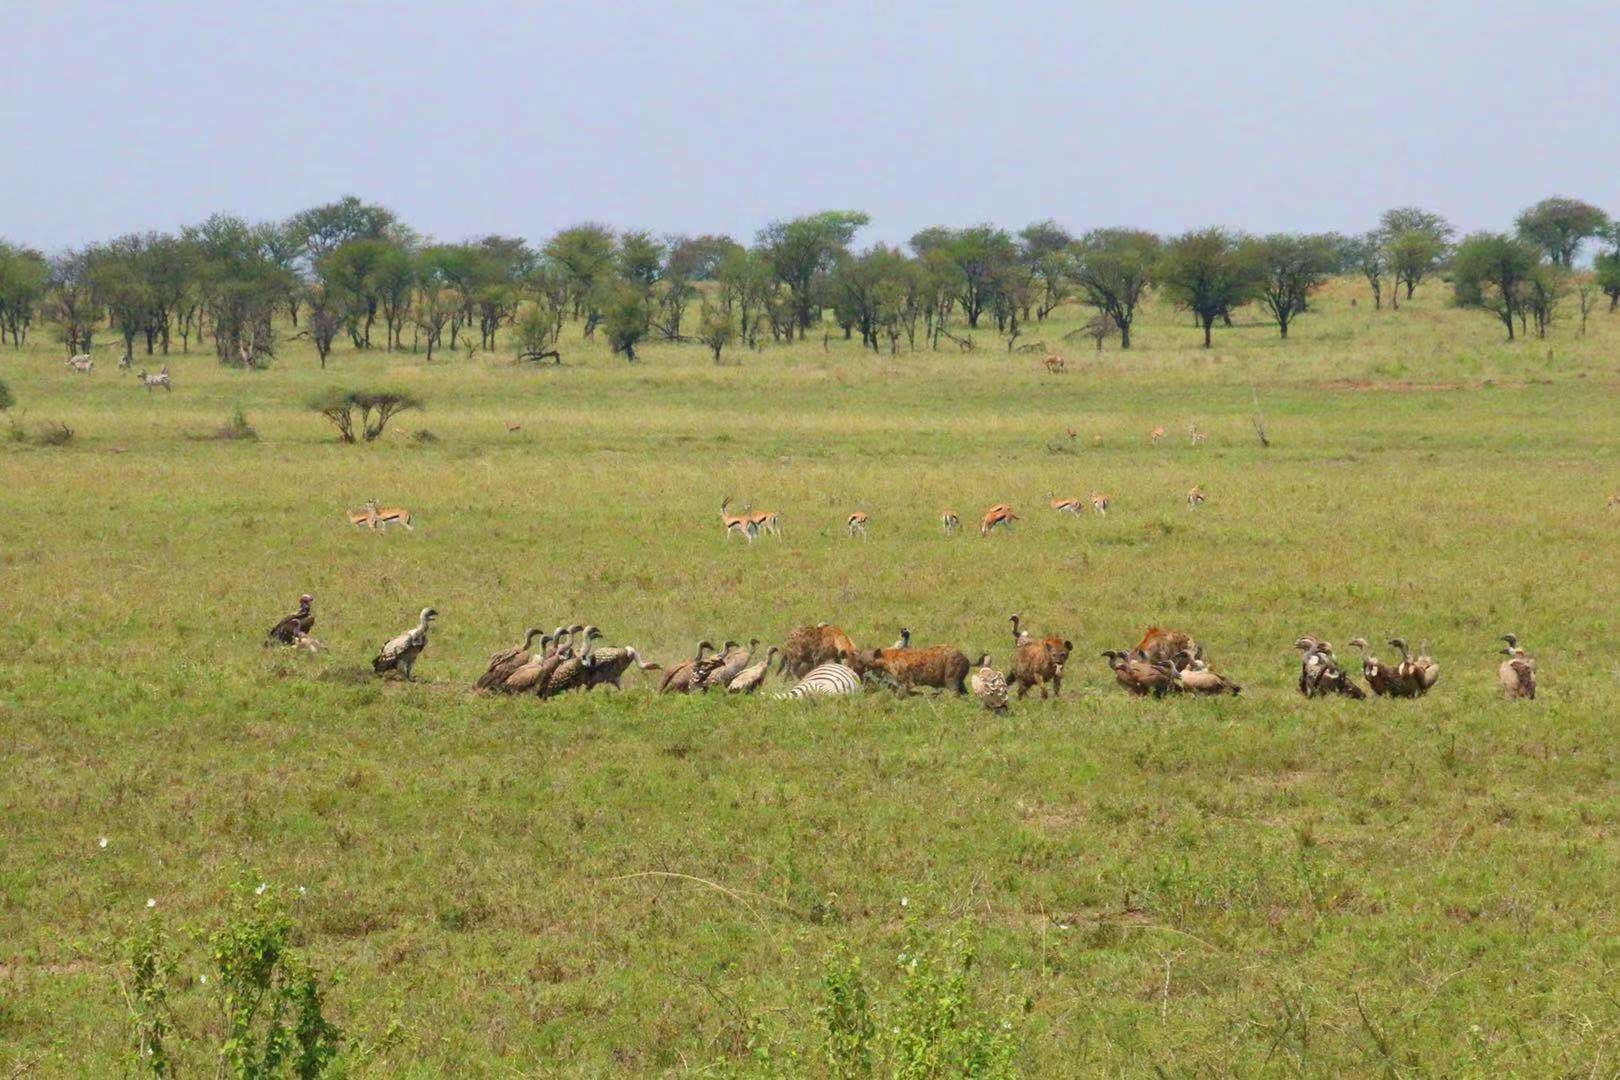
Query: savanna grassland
{"x": 1259, "y": 885}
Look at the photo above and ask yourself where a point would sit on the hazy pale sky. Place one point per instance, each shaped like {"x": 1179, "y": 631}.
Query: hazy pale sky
{"x": 468, "y": 118}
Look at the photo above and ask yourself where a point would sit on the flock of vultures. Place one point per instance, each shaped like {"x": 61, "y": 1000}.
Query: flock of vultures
{"x": 821, "y": 660}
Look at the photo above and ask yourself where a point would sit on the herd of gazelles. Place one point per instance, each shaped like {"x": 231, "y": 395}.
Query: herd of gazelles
{"x": 821, "y": 660}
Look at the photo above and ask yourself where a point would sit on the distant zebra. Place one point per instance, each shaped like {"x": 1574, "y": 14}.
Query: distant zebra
{"x": 829, "y": 680}
{"x": 151, "y": 381}
{"x": 81, "y": 364}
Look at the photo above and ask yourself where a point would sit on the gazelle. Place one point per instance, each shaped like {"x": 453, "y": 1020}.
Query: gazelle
{"x": 1054, "y": 364}
{"x": 1156, "y": 436}
{"x": 160, "y": 379}
{"x": 1100, "y": 503}
{"x": 951, "y": 523}
{"x": 1195, "y": 436}
{"x": 1195, "y": 497}
{"x": 385, "y": 516}
{"x": 999, "y": 514}
{"x": 81, "y": 364}
{"x": 763, "y": 521}
{"x": 737, "y": 523}
{"x": 856, "y": 524}
{"x": 363, "y": 518}
{"x": 1066, "y": 506}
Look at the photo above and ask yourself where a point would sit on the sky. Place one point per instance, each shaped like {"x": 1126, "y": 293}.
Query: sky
{"x": 523, "y": 118}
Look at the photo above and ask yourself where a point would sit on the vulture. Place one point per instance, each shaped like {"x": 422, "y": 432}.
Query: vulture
{"x": 503, "y": 663}
{"x": 1384, "y": 680}
{"x": 752, "y": 677}
{"x": 574, "y": 672}
{"x": 290, "y": 630}
{"x": 400, "y": 654}
{"x": 904, "y": 640}
{"x": 1020, "y": 635}
{"x": 1420, "y": 671}
{"x": 609, "y": 664}
{"x": 1192, "y": 676}
{"x": 1139, "y": 676}
{"x": 678, "y": 677}
{"x": 1518, "y": 672}
{"x": 534, "y": 674}
{"x": 730, "y": 664}
{"x": 989, "y": 685}
{"x": 1319, "y": 672}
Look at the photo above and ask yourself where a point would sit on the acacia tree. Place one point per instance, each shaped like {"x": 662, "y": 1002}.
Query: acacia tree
{"x": 626, "y": 317}
{"x": 1416, "y": 242}
{"x": 1113, "y": 268}
{"x": 1558, "y": 226}
{"x": 1288, "y": 269}
{"x": 24, "y": 275}
{"x": 70, "y": 301}
{"x": 802, "y": 250}
{"x": 983, "y": 258}
{"x": 323, "y": 319}
{"x": 583, "y": 254}
{"x": 1368, "y": 255}
{"x": 716, "y": 329}
{"x": 1606, "y": 268}
{"x": 1491, "y": 272}
{"x": 1207, "y": 272}
{"x": 746, "y": 282}
{"x": 323, "y": 229}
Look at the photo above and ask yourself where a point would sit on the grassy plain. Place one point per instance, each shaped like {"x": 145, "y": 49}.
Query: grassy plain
{"x": 1262, "y": 885}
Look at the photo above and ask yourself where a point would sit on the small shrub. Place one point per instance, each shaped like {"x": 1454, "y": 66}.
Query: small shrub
{"x": 42, "y": 433}
{"x": 370, "y": 409}
{"x": 6, "y": 400}
{"x": 236, "y": 428}
{"x": 151, "y": 968}
{"x": 423, "y": 437}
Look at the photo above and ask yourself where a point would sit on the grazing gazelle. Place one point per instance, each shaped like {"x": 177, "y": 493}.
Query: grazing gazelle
{"x": 1156, "y": 436}
{"x": 1195, "y": 497}
{"x": 1066, "y": 506}
{"x": 737, "y": 523}
{"x": 763, "y": 521}
{"x": 1195, "y": 436}
{"x": 856, "y": 524}
{"x": 160, "y": 379}
{"x": 81, "y": 364}
{"x": 384, "y": 516}
{"x": 1099, "y": 502}
{"x": 999, "y": 514}
{"x": 950, "y": 522}
{"x": 1055, "y": 364}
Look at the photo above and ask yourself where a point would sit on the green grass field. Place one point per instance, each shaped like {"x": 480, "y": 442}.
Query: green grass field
{"x": 1260, "y": 885}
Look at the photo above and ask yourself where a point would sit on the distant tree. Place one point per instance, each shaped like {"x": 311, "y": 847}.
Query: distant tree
{"x": 801, "y": 250}
{"x": 1289, "y": 269}
{"x": 1206, "y": 272}
{"x": 1368, "y": 255}
{"x": 323, "y": 319}
{"x": 1044, "y": 255}
{"x": 6, "y": 400}
{"x": 70, "y": 301}
{"x": 355, "y": 270}
{"x": 640, "y": 259}
{"x": 1113, "y": 268}
{"x": 583, "y": 254}
{"x": 1492, "y": 272}
{"x": 536, "y": 334}
{"x": 324, "y": 229}
{"x": 392, "y": 279}
{"x": 24, "y": 276}
{"x": 370, "y": 409}
{"x": 435, "y": 297}
{"x": 1544, "y": 289}
{"x": 626, "y": 317}
{"x": 1586, "y": 292}
{"x": 1416, "y": 242}
{"x": 1606, "y": 267}
{"x": 716, "y": 329}
{"x": 870, "y": 292}
{"x": 983, "y": 257}
{"x": 746, "y": 280}
{"x": 116, "y": 281}
{"x": 1558, "y": 226}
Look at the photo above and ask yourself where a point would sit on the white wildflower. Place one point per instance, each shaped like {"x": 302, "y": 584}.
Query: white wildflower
{"x": 260, "y": 890}
{"x": 151, "y": 901}
{"x": 102, "y": 842}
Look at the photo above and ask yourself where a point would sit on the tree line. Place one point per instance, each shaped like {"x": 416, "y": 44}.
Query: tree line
{"x": 353, "y": 272}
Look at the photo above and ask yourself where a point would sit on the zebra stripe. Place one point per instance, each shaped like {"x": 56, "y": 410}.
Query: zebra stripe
{"x": 827, "y": 680}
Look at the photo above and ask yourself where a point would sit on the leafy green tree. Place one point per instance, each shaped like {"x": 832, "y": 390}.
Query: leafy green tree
{"x": 1368, "y": 255}
{"x": 70, "y": 300}
{"x": 1207, "y": 272}
{"x": 1044, "y": 254}
{"x": 241, "y": 287}
{"x": 116, "y": 280}
{"x": 871, "y": 292}
{"x": 802, "y": 250}
{"x": 1289, "y": 269}
{"x": 1558, "y": 226}
{"x": 626, "y": 317}
{"x": 983, "y": 257}
{"x": 324, "y": 229}
{"x": 746, "y": 282}
{"x": 1113, "y": 268}
{"x": 1416, "y": 243}
{"x": 640, "y": 259}
{"x": 353, "y": 270}
{"x": 392, "y": 280}
{"x": 1606, "y": 267}
{"x": 716, "y": 329}
{"x": 584, "y": 255}
{"x": 24, "y": 276}
{"x": 1544, "y": 289}
{"x": 1492, "y": 272}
